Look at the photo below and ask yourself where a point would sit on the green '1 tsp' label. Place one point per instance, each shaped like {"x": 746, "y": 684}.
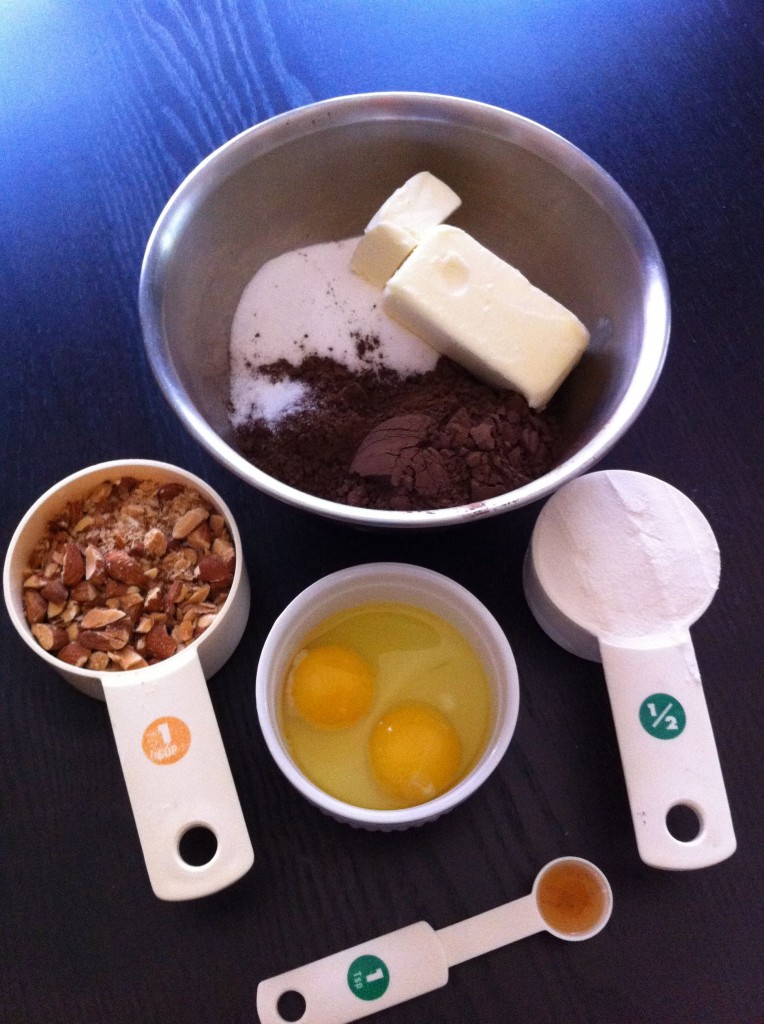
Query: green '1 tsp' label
{"x": 368, "y": 977}
{"x": 662, "y": 716}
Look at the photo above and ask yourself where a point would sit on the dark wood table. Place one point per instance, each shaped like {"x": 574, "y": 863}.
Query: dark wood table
{"x": 104, "y": 108}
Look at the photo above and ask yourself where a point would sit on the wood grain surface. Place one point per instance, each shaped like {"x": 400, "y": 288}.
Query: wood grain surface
{"x": 105, "y": 107}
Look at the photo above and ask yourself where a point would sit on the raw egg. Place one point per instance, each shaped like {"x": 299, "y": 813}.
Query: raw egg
{"x": 395, "y": 659}
{"x": 331, "y": 687}
{"x": 415, "y": 752}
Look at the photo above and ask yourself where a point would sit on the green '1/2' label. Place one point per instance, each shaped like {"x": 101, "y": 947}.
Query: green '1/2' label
{"x": 368, "y": 977}
{"x": 662, "y": 716}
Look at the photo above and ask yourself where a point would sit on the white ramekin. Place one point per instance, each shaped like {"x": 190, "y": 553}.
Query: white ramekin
{"x": 411, "y": 584}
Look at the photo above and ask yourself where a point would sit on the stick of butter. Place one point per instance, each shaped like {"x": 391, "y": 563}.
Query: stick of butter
{"x": 395, "y": 229}
{"x": 470, "y": 305}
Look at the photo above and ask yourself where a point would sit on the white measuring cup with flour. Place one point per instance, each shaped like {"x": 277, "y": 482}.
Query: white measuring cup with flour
{"x": 619, "y": 566}
{"x": 190, "y": 823}
{"x": 571, "y": 899}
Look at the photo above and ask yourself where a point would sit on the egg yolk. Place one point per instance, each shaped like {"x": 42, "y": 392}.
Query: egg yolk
{"x": 331, "y": 687}
{"x": 415, "y": 753}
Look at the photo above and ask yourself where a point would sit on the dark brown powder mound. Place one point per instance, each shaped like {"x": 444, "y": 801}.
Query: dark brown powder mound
{"x": 377, "y": 440}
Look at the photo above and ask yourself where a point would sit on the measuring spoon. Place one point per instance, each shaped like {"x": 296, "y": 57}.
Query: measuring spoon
{"x": 571, "y": 898}
{"x": 619, "y": 566}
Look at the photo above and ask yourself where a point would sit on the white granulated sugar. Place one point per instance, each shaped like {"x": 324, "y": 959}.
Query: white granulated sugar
{"x": 260, "y": 398}
{"x": 309, "y": 302}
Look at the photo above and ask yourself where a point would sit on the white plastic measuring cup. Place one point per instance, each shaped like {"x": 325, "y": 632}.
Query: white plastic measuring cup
{"x": 619, "y": 566}
{"x": 571, "y": 898}
{"x": 191, "y": 791}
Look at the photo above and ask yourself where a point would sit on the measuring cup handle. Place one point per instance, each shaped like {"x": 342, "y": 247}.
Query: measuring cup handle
{"x": 177, "y": 774}
{"x": 668, "y": 750}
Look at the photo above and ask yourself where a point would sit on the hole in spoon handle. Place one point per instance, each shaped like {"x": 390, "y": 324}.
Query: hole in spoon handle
{"x": 668, "y": 750}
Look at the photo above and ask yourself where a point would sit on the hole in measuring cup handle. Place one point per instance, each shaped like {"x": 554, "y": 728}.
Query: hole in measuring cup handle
{"x": 684, "y": 822}
{"x": 197, "y": 846}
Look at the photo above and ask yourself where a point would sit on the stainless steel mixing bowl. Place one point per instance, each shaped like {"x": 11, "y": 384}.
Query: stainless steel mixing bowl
{"x": 318, "y": 173}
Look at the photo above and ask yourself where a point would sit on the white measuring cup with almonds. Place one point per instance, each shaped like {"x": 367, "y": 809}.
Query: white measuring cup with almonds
{"x": 190, "y": 823}
{"x": 619, "y": 566}
{"x": 571, "y": 899}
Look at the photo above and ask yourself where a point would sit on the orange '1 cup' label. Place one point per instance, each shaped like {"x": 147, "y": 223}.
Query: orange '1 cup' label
{"x": 166, "y": 740}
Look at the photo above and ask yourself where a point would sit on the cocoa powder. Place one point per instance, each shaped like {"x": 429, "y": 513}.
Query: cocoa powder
{"x": 377, "y": 440}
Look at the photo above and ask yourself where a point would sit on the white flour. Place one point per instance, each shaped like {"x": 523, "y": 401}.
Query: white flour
{"x": 624, "y": 554}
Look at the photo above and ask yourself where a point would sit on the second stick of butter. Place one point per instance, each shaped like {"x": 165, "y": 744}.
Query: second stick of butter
{"x": 472, "y": 306}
